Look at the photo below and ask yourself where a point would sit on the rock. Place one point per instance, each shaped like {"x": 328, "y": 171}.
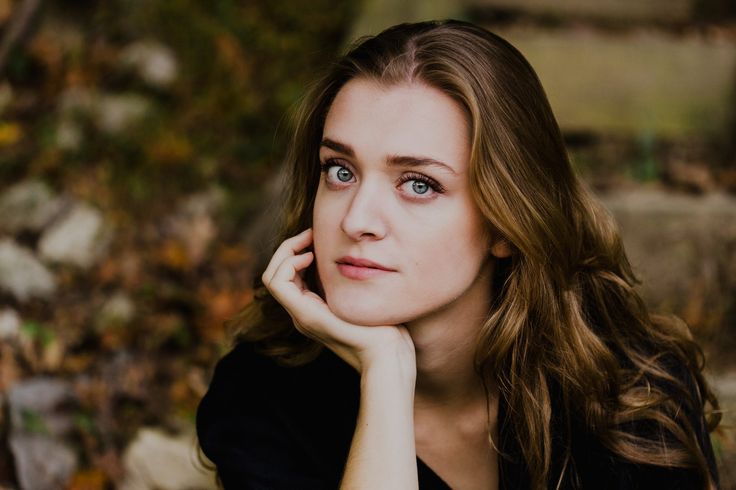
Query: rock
{"x": 42, "y": 463}
{"x": 119, "y": 309}
{"x": 28, "y": 206}
{"x": 193, "y": 223}
{"x": 691, "y": 177}
{"x": 38, "y": 424}
{"x": 110, "y": 113}
{"x": 153, "y": 62}
{"x": 155, "y": 460}
{"x": 37, "y": 406}
{"x": 724, "y": 385}
{"x": 683, "y": 247}
{"x": 69, "y": 134}
{"x": 116, "y": 113}
{"x": 22, "y": 274}
{"x": 9, "y": 324}
{"x": 79, "y": 238}
{"x": 646, "y": 82}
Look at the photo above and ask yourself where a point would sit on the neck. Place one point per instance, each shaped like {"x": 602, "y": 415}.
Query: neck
{"x": 445, "y": 344}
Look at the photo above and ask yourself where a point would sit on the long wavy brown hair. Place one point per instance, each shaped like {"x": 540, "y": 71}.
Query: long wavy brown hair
{"x": 567, "y": 329}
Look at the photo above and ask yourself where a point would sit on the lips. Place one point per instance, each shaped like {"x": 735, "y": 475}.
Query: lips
{"x": 356, "y": 262}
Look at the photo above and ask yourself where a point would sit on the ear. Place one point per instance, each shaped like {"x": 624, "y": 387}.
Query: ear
{"x": 501, "y": 248}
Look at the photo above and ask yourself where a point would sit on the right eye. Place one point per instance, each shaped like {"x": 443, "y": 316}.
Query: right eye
{"x": 335, "y": 172}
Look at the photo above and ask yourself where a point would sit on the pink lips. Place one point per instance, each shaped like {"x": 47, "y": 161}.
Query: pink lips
{"x": 354, "y": 268}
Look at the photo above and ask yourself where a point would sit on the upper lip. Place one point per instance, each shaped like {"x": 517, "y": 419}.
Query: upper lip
{"x": 362, "y": 263}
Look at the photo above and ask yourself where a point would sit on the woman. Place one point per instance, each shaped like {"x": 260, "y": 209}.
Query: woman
{"x": 476, "y": 303}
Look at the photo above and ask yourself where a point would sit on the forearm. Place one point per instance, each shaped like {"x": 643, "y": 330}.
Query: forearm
{"x": 382, "y": 454}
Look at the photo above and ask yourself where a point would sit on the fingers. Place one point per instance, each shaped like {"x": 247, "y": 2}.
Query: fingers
{"x": 288, "y": 248}
{"x": 282, "y": 276}
{"x": 288, "y": 271}
{"x": 304, "y": 306}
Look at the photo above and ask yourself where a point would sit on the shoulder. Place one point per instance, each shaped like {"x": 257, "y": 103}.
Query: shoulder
{"x": 282, "y": 426}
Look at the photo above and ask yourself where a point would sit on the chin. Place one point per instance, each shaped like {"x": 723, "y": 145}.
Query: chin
{"x": 363, "y": 312}
{"x": 358, "y": 317}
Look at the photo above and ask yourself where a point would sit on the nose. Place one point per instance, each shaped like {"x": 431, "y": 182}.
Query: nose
{"x": 364, "y": 216}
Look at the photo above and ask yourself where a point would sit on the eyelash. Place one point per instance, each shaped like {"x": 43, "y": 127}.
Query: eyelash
{"x": 433, "y": 184}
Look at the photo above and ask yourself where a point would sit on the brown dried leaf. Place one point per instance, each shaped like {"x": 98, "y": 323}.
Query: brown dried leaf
{"x": 228, "y": 255}
{"x": 173, "y": 254}
{"x": 9, "y": 370}
{"x": 52, "y": 355}
{"x": 170, "y": 149}
{"x": 231, "y": 55}
{"x": 94, "y": 479}
{"x": 220, "y": 305}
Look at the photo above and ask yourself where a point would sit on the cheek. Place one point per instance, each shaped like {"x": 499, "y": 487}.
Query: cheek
{"x": 457, "y": 232}
{"x": 320, "y": 222}
{"x": 456, "y": 249}
{"x": 325, "y": 227}
{"x": 328, "y": 205}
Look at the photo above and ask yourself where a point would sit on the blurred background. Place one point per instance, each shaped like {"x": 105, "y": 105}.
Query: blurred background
{"x": 140, "y": 144}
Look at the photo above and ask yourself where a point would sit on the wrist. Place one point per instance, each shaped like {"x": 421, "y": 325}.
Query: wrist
{"x": 390, "y": 366}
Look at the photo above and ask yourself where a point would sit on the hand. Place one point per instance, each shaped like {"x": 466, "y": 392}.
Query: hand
{"x": 357, "y": 345}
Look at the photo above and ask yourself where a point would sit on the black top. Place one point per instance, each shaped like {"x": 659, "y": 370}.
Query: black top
{"x": 266, "y": 426}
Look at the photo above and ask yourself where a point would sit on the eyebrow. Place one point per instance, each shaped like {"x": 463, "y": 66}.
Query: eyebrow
{"x": 391, "y": 160}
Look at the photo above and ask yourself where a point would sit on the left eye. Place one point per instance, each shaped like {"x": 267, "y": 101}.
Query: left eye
{"x": 419, "y": 186}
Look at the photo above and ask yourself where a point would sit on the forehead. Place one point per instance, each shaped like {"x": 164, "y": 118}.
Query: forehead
{"x": 406, "y": 119}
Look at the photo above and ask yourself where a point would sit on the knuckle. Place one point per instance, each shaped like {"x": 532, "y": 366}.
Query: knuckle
{"x": 265, "y": 280}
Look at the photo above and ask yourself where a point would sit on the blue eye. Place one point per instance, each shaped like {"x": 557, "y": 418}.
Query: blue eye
{"x": 343, "y": 174}
{"x": 336, "y": 172}
{"x": 420, "y": 187}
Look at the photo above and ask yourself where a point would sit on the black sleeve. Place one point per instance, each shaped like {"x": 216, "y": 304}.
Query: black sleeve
{"x": 241, "y": 430}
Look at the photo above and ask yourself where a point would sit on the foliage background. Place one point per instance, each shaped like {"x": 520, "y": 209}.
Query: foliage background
{"x": 168, "y": 117}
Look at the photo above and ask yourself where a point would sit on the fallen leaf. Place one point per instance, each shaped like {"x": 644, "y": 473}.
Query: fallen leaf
{"x": 170, "y": 149}
{"x": 173, "y": 254}
{"x": 94, "y": 479}
{"x": 9, "y": 370}
{"x": 10, "y": 133}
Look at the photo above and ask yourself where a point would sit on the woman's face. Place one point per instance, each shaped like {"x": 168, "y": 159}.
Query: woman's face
{"x": 395, "y": 191}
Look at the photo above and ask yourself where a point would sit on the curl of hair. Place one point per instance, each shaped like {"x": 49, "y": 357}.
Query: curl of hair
{"x": 566, "y": 318}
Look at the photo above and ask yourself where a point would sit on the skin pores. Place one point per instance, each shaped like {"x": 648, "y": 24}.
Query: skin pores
{"x": 395, "y": 191}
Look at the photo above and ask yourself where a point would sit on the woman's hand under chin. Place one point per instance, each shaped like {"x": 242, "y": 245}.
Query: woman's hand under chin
{"x": 358, "y": 345}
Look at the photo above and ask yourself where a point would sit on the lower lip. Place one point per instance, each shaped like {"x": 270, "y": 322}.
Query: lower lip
{"x": 355, "y": 272}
